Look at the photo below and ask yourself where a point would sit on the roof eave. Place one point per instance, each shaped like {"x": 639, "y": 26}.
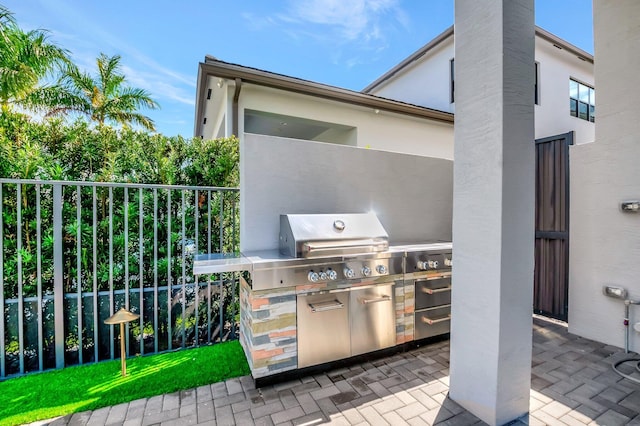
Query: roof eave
{"x": 565, "y": 45}
{"x": 540, "y": 32}
{"x": 219, "y": 69}
{"x": 200, "y": 101}
{"x": 411, "y": 58}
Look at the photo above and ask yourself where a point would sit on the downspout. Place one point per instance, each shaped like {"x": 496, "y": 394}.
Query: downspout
{"x": 236, "y": 97}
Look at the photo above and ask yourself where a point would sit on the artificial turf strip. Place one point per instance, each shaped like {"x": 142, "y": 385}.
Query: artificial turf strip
{"x": 87, "y": 387}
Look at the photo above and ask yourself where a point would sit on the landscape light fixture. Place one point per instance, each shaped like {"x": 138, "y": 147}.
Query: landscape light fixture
{"x": 121, "y": 317}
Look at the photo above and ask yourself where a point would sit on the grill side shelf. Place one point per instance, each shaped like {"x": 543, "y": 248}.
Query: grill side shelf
{"x": 217, "y": 263}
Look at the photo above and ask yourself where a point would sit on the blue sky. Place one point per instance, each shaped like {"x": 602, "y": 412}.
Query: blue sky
{"x": 345, "y": 43}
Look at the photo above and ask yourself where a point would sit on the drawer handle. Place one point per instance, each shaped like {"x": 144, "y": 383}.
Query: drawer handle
{"x": 384, "y": 298}
{"x": 436, "y": 290}
{"x": 430, "y": 321}
{"x": 435, "y": 277}
{"x": 326, "y": 306}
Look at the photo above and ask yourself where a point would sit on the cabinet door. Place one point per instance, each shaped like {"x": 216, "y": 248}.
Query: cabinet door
{"x": 323, "y": 328}
{"x": 373, "y": 319}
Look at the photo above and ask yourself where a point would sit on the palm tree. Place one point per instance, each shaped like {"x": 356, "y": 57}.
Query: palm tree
{"x": 103, "y": 97}
{"x": 25, "y": 59}
{"x": 6, "y": 18}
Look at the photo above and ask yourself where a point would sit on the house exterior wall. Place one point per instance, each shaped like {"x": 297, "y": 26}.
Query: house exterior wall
{"x": 605, "y": 242}
{"x": 383, "y": 131}
{"x": 217, "y": 110}
{"x": 426, "y": 83}
{"x": 552, "y": 112}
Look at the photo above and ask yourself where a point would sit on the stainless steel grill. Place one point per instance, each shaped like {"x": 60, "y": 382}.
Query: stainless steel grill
{"x": 321, "y": 235}
{"x": 354, "y": 313}
{"x": 314, "y": 248}
{"x": 344, "y": 273}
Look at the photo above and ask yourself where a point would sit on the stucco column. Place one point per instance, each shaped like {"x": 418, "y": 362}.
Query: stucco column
{"x": 493, "y": 209}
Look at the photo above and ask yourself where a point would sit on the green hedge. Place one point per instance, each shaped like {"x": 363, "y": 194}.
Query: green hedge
{"x": 53, "y": 149}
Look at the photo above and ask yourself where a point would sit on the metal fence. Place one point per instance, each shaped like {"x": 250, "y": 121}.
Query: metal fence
{"x": 73, "y": 253}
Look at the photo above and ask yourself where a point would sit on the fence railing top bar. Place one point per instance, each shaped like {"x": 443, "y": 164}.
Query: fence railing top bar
{"x": 116, "y": 184}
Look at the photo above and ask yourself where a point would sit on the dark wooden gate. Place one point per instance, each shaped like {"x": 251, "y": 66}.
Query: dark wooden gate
{"x": 551, "y": 277}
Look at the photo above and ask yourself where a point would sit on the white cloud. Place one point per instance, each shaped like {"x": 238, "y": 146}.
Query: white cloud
{"x": 349, "y": 19}
{"x": 338, "y": 25}
{"x": 257, "y": 22}
{"x": 157, "y": 85}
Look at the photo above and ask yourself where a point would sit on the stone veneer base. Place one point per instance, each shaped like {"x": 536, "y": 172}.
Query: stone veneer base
{"x": 268, "y": 327}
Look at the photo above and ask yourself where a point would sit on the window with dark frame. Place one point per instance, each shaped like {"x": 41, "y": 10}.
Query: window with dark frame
{"x": 452, "y": 81}
{"x": 582, "y": 101}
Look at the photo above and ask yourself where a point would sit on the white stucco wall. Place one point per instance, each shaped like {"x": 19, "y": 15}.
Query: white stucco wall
{"x": 552, "y": 113}
{"x": 604, "y": 242}
{"x": 384, "y": 130}
{"x": 412, "y": 195}
{"x": 426, "y": 83}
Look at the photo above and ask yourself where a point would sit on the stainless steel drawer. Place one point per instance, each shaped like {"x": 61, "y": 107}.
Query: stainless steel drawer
{"x": 432, "y": 322}
{"x": 433, "y": 292}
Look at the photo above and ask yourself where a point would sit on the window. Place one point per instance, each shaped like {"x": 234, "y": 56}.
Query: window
{"x": 452, "y": 81}
{"x": 536, "y": 93}
{"x": 582, "y": 101}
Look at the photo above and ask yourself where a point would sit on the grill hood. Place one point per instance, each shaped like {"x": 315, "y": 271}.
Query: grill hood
{"x": 317, "y": 235}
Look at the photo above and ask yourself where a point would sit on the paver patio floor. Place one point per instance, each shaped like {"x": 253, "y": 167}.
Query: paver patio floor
{"x": 572, "y": 384}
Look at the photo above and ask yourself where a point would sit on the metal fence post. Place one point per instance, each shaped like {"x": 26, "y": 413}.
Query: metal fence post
{"x": 2, "y": 304}
{"x": 58, "y": 275}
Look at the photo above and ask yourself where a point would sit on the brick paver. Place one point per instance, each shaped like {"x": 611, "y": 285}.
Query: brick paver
{"x": 572, "y": 383}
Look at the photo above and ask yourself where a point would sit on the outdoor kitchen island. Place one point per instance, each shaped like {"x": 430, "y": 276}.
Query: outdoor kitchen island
{"x": 334, "y": 290}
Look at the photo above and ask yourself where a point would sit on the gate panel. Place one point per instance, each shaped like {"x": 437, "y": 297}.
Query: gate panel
{"x": 551, "y": 277}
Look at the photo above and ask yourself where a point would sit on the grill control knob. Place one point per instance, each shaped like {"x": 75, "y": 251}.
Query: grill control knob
{"x": 348, "y": 272}
{"x": 323, "y": 276}
{"x": 366, "y": 271}
{"x": 313, "y": 277}
{"x": 382, "y": 270}
{"x": 448, "y": 262}
{"x": 333, "y": 275}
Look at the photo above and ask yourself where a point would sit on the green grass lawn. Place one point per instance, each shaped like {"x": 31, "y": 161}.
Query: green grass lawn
{"x": 73, "y": 389}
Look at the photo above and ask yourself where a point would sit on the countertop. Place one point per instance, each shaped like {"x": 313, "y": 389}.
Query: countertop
{"x": 215, "y": 263}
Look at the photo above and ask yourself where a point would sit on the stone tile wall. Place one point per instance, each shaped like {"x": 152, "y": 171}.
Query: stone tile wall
{"x": 268, "y": 329}
{"x": 405, "y": 307}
